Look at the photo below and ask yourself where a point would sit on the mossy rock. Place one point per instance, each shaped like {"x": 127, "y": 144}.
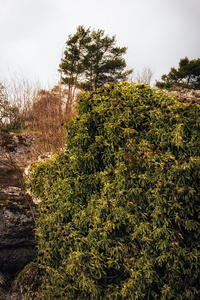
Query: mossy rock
{"x": 29, "y": 278}
{"x": 120, "y": 208}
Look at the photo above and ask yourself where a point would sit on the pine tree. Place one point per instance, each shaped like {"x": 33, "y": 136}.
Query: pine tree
{"x": 119, "y": 217}
{"x": 187, "y": 75}
{"x": 91, "y": 59}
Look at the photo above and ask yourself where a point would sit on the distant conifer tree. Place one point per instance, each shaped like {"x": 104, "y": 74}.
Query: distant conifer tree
{"x": 187, "y": 75}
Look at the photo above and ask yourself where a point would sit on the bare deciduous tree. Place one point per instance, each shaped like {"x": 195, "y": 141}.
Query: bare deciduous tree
{"x": 145, "y": 76}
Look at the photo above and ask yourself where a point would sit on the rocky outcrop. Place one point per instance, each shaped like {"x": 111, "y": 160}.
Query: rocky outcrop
{"x": 17, "y": 242}
{"x": 20, "y": 149}
{"x": 185, "y": 95}
{"x": 17, "y": 211}
{"x": 17, "y": 215}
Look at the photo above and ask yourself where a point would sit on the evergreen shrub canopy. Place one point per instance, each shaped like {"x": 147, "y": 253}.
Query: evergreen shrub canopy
{"x": 119, "y": 217}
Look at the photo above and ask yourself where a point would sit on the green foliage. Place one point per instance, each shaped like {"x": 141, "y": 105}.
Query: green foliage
{"x": 119, "y": 217}
{"x": 186, "y": 76}
{"x": 92, "y": 59}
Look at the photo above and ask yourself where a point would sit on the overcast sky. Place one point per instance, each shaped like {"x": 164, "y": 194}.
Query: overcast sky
{"x": 157, "y": 33}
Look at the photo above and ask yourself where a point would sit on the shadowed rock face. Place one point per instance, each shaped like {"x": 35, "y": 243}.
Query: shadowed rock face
{"x": 17, "y": 213}
{"x": 17, "y": 222}
{"x": 17, "y": 241}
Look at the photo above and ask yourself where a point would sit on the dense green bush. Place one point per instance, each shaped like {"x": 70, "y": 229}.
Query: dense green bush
{"x": 119, "y": 217}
